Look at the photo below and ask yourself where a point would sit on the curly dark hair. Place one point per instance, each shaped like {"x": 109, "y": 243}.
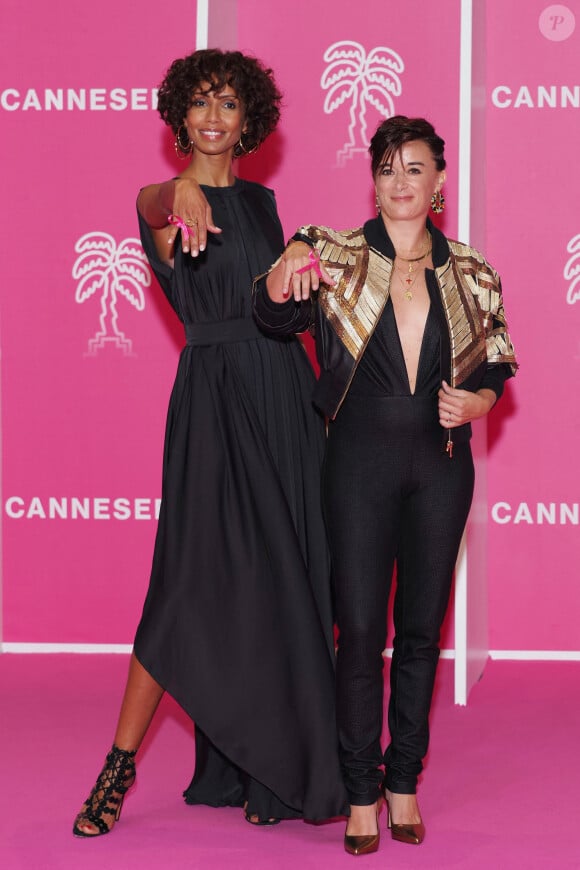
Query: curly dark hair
{"x": 253, "y": 83}
{"x": 393, "y": 133}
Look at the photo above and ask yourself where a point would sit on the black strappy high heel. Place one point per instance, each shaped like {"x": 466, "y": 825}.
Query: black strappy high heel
{"x": 254, "y": 819}
{"x": 106, "y": 798}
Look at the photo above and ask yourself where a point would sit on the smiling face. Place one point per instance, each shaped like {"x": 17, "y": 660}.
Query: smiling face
{"x": 406, "y": 181}
{"x": 215, "y": 121}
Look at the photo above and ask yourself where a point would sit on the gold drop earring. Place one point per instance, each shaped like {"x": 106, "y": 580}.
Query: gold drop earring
{"x": 437, "y": 202}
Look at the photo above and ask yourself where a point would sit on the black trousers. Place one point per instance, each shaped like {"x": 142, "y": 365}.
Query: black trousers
{"x": 392, "y": 496}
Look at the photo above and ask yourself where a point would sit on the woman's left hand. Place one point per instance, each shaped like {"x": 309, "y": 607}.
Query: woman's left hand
{"x": 457, "y": 407}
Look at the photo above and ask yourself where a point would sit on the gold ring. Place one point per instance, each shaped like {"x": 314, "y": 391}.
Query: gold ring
{"x": 190, "y": 223}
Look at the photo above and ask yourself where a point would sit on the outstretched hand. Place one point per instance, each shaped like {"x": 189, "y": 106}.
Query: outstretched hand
{"x": 193, "y": 215}
{"x": 302, "y": 271}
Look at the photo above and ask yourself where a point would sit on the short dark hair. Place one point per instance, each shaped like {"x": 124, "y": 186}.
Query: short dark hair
{"x": 393, "y": 133}
{"x": 253, "y": 83}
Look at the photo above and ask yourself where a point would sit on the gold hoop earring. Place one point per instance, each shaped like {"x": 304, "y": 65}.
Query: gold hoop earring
{"x": 377, "y": 204}
{"x": 183, "y": 144}
{"x": 240, "y": 149}
{"x": 437, "y": 202}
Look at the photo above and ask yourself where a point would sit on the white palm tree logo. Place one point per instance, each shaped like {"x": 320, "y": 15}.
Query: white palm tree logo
{"x": 572, "y": 270}
{"x": 372, "y": 79}
{"x": 113, "y": 270}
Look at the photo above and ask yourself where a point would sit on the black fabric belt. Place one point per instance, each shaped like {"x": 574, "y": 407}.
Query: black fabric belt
{"x": 221, "y": 332}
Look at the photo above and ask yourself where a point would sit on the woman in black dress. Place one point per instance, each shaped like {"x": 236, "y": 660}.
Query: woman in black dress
{"x": 413, "y": 345}
{"x": 237, "y": 623}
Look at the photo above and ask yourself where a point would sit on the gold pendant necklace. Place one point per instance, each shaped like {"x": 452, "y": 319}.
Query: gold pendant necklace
{"x": 409, "y": 280}
{"x": 407, "y": 283}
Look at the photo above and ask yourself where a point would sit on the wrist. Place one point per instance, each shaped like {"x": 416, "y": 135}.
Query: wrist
{"x": 301, "y": 237}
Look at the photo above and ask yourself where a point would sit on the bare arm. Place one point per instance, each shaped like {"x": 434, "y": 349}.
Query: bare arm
{"x": 184, "y": 198}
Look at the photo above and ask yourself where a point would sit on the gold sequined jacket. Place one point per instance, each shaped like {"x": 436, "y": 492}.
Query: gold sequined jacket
{"x": 343, "y": 317}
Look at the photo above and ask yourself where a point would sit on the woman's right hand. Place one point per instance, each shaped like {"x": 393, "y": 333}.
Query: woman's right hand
{"x": 191, "y": 207}
{"x": 301, "y": 271}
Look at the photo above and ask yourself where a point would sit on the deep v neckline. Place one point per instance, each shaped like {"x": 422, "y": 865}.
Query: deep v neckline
{"x": 400, "y": 351}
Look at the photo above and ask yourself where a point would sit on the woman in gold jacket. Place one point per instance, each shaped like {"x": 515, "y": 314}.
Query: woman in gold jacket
{"x": 412, "y": 344}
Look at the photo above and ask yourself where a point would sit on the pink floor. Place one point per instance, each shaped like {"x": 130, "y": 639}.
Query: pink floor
{"x": 500, "y": 789}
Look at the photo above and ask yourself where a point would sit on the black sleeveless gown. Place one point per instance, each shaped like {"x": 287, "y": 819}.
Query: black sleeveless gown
{"x": 237, "y": 623}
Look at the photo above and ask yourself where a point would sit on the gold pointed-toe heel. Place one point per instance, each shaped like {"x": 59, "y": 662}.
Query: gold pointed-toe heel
{"x": 363, "y": 844}
{"x": 411, "y": 834}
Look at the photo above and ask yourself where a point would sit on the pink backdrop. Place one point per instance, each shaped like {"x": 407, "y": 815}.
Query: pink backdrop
{"x": 85, "y": 421}
{"x": 532, "y": 219}
{"x": 76, "y": 425}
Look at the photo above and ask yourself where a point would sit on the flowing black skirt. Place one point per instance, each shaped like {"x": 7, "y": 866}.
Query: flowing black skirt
{"x": 237, "y": 624}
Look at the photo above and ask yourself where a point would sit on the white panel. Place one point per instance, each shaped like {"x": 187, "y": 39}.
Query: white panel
{"x": 201, "y": 31}
{"x": 471, "y": 611}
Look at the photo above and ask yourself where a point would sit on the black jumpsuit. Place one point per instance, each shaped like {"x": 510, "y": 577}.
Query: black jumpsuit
{"x": 392, "y": 495}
